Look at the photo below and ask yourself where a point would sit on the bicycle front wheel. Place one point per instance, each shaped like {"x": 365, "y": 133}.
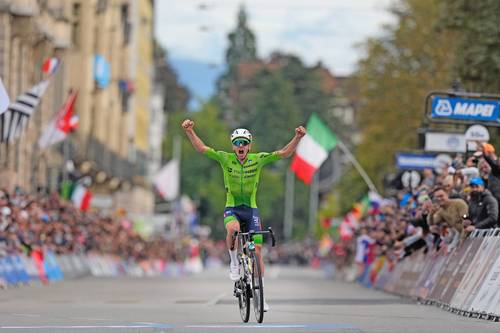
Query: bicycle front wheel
{"x": 257, "y": 289}
{"x": 243, "y": 300}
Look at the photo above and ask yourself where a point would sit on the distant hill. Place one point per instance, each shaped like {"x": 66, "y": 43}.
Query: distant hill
{"x": 199, "y": 77}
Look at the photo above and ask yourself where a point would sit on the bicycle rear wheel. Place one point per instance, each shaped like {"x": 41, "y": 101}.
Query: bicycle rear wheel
{"x": 257, "y": 289}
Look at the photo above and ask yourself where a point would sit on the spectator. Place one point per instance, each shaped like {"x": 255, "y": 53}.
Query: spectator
{"x": 429, "y": 178}
{"x": 446, "y": 218}
{"x": 491, "y": 169}
{"x": 447, "y": 211}
{"x": 483, "y": 207}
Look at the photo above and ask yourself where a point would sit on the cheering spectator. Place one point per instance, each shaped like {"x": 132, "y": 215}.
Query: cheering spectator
{"x": 491, "y": 169}
{"x": 483, "y": 207}
{"x": 446, "y": 217}
{"x": 447, "y": 211}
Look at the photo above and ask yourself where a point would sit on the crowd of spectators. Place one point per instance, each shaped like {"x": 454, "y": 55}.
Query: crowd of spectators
{"x": 436, "y": 215}
{"x": 30, "y": 222}
{"x": 45, "y": 222}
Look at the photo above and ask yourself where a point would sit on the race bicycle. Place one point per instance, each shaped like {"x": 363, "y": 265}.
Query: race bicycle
{"x": 249, "y": 286}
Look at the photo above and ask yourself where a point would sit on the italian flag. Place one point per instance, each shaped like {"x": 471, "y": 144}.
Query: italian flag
{"x": 313, "y": 149}
{"x": 81, "y": 197}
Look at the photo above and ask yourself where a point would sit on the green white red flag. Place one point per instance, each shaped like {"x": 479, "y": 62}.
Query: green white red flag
{"x": 313, "y": 149}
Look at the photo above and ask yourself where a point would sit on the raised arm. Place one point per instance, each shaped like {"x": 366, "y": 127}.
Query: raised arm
{"x": 288, "y": 150}
{"x": 188, "y": 126}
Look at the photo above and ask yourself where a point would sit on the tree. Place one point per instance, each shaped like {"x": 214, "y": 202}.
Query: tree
{"x": 242, "y": 44}
{"x": 201, "y": 178}
{"x": 393, "y": 79}
{"x": 275, "y": 112}
{"x": 477, "y": 28}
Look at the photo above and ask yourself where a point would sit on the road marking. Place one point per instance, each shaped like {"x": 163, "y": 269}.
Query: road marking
{"x": 66, "y": 327}
{"x": 280, "y": 326}
{"x": 156, "y": 326}
{"x": 216, "y": 299}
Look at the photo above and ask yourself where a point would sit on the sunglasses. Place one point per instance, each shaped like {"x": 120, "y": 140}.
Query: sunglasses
{"x": 241, "y": 143}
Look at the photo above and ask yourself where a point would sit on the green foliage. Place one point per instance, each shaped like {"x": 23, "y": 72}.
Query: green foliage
{"x": 201, "y": 178}
{"x": 393, "y": 79}
{"x": 242, "y": 45}
{"x": 275, "y": 112}
{"x": 306, "y": 86}
{"x": 477, "y": 28}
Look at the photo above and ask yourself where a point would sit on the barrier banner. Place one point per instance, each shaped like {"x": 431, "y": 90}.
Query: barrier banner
{"x": 51, "y": 267}
{"x": 433, "y": 276}
{"x": 483, "y": 293}
{"x": 466, "y": 255}
{"x": 22, "y": 273}
{"x": 474, "y": 276}
{"x": 494, "y": 281}
{"x": 420, "y": 289}
{"x": 9, "y": 271}
{"x": 445, "y": 275}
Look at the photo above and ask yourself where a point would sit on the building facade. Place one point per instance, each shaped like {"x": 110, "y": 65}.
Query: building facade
{"x": 106, "y": 53}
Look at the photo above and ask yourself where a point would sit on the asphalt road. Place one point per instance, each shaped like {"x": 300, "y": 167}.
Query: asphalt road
{"x": 301, "y": 300}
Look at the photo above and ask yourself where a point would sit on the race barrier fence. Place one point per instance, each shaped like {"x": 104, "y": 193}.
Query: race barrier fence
{"x": 20, "y": 269}
{"x": 465, "y": 281}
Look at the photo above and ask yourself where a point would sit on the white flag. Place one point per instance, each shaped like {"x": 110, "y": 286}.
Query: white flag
{"x": 167, "y": 180}
{"x": 4, "y": 98}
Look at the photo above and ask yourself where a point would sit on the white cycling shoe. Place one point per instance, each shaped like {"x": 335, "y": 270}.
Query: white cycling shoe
{"x": 266, "y": 306}
{"x": 234, "y": 272}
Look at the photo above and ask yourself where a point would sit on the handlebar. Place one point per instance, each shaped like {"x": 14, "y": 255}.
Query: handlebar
{"x": 252, "y": 233}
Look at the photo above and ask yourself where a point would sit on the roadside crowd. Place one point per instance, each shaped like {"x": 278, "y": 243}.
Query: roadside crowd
{"x": 31, "y": 223}
{"x": 436, "y": 215}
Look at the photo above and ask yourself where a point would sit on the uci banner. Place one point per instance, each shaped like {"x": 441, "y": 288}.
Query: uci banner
{"x": 466, "y": 109}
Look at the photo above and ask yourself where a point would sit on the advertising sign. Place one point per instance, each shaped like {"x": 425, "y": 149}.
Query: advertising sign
{"x": 411, "y": 161}
{"x": 487, "y": 290}
{"x": 468, "y": 109}
{"x": 445, "y": 142}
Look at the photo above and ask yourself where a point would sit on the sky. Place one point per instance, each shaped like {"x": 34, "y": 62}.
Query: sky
{"x": 195, "y": 32}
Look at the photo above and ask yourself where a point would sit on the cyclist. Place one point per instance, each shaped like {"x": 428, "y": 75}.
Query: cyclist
{"x": 241, "y": 171}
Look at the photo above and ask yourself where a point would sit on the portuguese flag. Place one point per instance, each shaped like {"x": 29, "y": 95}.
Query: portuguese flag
{"x": 313, "y": 149}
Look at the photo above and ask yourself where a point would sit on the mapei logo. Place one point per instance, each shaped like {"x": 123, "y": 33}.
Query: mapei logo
{"x": 443, "y": 108}
{"x": 464, "y": 108}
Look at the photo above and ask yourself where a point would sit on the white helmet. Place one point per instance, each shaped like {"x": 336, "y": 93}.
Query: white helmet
{"x": 241, "y": 133}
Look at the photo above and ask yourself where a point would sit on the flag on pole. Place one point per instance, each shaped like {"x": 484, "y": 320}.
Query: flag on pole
{"x": 4, "y": 98}
{"x": 81, "y": 197}
{"x": 14, "y": 120}
{"x": 313, "y": 149}
{"x": 63, "y": 123}
{"x": 50, "y": 65}
{"x": 167, "y": 180}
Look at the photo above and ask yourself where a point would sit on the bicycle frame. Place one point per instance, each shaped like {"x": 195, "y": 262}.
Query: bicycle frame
{"x": 247, "y": 285}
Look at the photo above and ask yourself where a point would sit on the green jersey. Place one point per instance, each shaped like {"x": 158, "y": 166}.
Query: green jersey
{"x": 241, "y": 180}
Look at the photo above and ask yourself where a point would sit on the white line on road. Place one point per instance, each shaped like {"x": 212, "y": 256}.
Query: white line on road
{"x": 280, "y": 326}
{"x": 64, "y": 327}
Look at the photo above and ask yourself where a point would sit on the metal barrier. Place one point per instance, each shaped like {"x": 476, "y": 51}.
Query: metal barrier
{"x": 19, "y": 269}
{"x": 466, "y": 281}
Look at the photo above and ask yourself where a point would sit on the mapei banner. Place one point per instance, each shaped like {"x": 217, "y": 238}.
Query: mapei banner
{"x": 468, "y": 109}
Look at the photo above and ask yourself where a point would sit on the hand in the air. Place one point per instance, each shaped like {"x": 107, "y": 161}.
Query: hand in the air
{"x": 187, "y": 124}
{"x": 300, "y": 131}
